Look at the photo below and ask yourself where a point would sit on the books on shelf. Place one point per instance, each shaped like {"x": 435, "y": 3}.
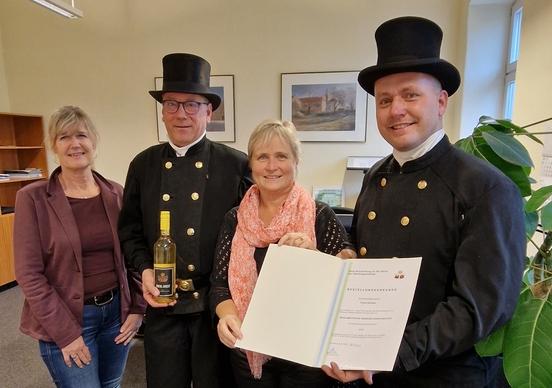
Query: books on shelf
{"x": 22, "y": 173}
{"x": 7, "y": 209}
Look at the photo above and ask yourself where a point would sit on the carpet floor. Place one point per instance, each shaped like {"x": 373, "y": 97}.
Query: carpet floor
{"x": 20, "y": 362}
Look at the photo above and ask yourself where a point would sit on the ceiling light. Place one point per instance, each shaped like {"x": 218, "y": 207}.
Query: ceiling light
{"x": 61, "y": 7}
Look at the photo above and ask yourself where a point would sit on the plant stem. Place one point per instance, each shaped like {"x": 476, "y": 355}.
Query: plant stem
{"x": 537, "y": 122}
{"x": 542, "y": 263}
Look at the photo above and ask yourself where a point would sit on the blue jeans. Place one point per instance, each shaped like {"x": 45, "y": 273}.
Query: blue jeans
{"x": 101, "y": 325}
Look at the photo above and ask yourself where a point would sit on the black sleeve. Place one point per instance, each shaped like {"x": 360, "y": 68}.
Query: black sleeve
{"x": 220, "y": 290}
{"x": 331, "y": 236}
{"x": 131, "y": 229}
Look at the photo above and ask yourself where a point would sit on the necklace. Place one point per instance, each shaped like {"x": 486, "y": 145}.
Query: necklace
{"x": 91, "y": 190}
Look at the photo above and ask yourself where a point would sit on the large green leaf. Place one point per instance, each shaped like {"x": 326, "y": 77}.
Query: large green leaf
{"x": 493, "y": 127}
{"x": 465, "y": 144}
{"x": 538, "y": 198}
{"x": 469, "y": 146}
{"x": 546, "y": 217}
{"x": 515, "y": 173}
{"x": 527, "y": 343}
{"x": 486, "y": 120}
{"x": 518, "y": 129}
{"x": 492, "y": 345}
{"x": 531, "y": 222}
{"x": 507, "y": 148}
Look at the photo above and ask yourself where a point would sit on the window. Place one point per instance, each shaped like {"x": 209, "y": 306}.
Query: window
{"x": 513, "y": 54}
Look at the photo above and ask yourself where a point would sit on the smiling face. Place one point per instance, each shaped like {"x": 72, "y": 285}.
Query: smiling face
{"x": 75, "y": 148}
{"x": 273, "y": 166}
{"x": 183, "y": 128}
{"x": 409, "y": 108}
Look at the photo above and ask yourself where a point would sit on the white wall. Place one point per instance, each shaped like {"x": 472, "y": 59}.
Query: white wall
{"x": 533, "y": 99}
{"x": 4, "y": 95}
{"x": 106, "y": 63}
{"x": 485, "y": 65}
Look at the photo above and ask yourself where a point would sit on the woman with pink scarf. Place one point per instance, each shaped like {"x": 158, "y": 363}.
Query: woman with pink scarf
{"x": 274, "y": 210}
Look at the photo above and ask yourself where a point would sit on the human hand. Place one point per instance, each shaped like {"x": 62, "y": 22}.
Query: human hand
{"x": 228, "y": 330}
{"x": 346, "y": 376}
{"x": 78, "y": 352}
{"x": 347, "y": 254}
{"x": 129, "y": 328}
{"x": 150, "y": 291}
{"x": 299, "y": 240}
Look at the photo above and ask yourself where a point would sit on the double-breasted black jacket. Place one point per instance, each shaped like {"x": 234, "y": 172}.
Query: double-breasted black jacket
{"x": 198, "y": 189}
{"x": 465, "y": 219}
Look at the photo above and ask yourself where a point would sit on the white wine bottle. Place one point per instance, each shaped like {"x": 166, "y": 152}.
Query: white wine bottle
{"x": 164, "y": 261}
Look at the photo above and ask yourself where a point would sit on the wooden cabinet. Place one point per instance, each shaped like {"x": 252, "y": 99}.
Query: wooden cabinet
{"x": 21, "y": 146}
{"x": 7, "y": 274}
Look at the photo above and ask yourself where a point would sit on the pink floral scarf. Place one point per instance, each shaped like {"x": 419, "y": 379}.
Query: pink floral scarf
{"x": 297, "y": 214}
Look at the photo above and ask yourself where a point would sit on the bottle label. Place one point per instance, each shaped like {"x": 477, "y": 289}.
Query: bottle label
{"x": 164, "y": 279}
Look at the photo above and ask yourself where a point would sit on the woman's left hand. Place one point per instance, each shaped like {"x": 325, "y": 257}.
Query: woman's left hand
{"x": 300, "y": 240}
{"x": 129, "y": 328}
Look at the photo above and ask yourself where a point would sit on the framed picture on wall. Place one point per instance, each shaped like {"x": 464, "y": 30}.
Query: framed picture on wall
{"x": 328, "y": 106}
{"x": 222, "y": 125}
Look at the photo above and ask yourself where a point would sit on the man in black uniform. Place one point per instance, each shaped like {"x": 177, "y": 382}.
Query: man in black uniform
{"x": 429, "y": 199}
{"x": 198, "y": 181}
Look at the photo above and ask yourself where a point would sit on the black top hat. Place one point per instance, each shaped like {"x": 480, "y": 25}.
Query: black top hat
{"x": 186, "y": 73}
{"x": 410, "y": 44}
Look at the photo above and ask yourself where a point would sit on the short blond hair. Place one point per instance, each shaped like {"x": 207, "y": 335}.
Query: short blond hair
{"x": 70, "y": 118}
{"x": 265, "y": 131}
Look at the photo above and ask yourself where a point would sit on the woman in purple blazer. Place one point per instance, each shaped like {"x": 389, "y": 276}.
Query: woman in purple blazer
{"x": 81, "y": 304}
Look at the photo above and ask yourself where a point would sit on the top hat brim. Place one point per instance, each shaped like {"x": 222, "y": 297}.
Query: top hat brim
{"x": 446, "y": 73}
{"x": 213, "y": 98}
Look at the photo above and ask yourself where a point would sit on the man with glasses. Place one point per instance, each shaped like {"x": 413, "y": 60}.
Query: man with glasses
{"x": 198, "y": 181}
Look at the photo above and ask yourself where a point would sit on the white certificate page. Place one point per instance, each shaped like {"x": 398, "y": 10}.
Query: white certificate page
{"x": 313, "y": 308}
{"x": 372, "y": 313}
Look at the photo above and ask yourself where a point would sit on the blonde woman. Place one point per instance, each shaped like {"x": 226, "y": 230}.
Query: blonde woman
{"x": 81, "y": 304}
{"x": 274, "y": 210}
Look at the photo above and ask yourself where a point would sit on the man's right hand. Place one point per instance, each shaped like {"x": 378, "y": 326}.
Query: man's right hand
{"x": 150, "y": 291}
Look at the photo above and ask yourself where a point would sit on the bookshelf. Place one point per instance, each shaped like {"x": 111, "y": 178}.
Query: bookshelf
{"x": 21, "y": 147}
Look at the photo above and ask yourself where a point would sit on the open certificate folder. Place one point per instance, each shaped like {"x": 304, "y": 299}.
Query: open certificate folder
{"x": 313, "y": 308}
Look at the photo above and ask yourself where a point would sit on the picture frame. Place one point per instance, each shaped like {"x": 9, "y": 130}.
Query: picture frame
{"x": 325, "y": 106}
{"x": 332, "y": 195}
{"x": 222, "y": 125}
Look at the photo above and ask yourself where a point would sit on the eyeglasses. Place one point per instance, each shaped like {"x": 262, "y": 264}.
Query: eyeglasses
{"x": 190, "y": 107}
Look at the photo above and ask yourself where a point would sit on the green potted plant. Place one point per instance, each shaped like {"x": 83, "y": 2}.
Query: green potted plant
{"x": 525, "y": 342}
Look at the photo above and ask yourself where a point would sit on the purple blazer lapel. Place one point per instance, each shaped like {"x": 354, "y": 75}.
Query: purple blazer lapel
{"x": 60, "y": 206}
